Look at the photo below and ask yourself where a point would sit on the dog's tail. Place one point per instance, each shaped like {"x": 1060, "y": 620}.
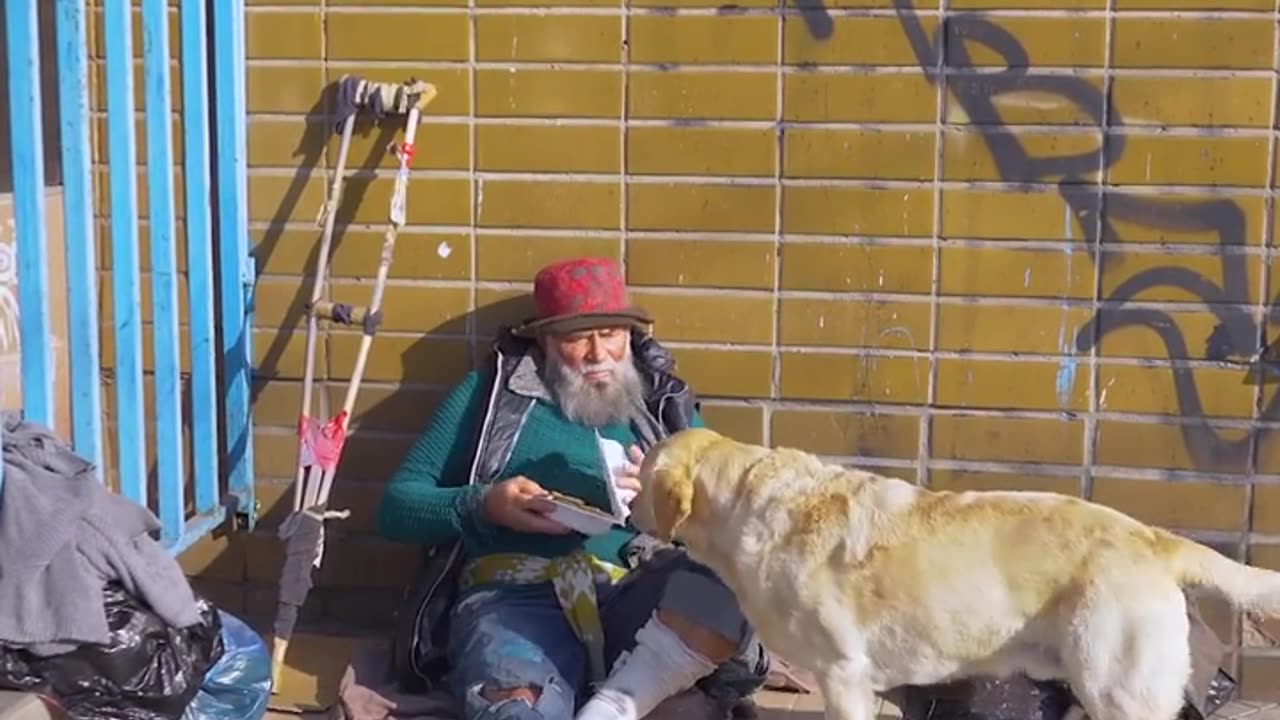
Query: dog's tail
{"x": 1251, "y": 589}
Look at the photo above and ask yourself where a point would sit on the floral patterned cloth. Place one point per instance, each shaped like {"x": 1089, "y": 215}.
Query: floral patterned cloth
{"x": 574, "y": 578}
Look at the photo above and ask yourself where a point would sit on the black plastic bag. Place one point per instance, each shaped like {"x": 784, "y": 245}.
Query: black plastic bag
{"x": 1020, "y": 698}
{"x": 1016, "y": 698}
{"x": 148, "y": 670}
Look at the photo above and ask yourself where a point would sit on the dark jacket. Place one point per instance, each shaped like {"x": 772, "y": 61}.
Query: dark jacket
{"x": 418, "y": 646}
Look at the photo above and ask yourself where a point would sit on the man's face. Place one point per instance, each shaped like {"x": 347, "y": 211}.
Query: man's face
{"x": 594, "y": 354}
{"x": 592, "y": 376}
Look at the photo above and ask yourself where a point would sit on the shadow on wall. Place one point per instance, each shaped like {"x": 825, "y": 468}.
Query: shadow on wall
{"x": 404, "y": 409}
{"x": 310, "y": 149}
{"x": 371, "y": 455}
{"x": 388, "y": 416}
{"x": 359, "y": 174}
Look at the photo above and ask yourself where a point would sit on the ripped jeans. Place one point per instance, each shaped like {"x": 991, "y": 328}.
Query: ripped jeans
{"x": 513, "y": 636}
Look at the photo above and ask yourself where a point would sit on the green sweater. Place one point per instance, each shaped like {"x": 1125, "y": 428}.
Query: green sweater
{"x": 556, "y": 453}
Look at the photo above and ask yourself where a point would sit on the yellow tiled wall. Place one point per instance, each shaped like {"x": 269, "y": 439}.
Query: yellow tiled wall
{"x": 992, "y": 243}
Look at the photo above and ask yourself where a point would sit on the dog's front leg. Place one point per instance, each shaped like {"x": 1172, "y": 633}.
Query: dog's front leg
{"x": 847, "y": 692}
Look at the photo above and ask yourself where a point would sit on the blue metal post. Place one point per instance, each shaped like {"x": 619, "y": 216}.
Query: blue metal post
{"x": 125, "y": 281}
{"x": 164, "y": 269}
{"x": 200, "y": 274}
{"x": 27, "y": 143}
{"x": 82, "y": 276}
{"x": 233, "y": 222}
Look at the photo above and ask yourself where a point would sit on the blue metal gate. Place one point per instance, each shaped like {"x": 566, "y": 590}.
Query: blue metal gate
{"x": 191, "y": 494}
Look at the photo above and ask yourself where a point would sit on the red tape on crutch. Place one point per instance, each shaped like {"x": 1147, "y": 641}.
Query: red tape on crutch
{"x": 322, "y": 442}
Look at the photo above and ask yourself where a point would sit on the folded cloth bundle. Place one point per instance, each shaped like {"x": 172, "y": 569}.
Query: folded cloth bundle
{"x": 63, "y": 536}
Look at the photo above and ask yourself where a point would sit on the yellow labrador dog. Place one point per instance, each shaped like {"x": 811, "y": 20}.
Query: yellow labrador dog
{"x": 873, "y": 583}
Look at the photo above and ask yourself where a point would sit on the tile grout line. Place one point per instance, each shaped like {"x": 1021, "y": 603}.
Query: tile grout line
{"x": 475, "y": 185}
{"x": 816, "y": 183}
{"x": 900, "y": 66}
{"x": 831, "y": 404}
{"x": 327, "y": 328}
{"x": 883, "y": 241}
{"x": 915, "y": 305}
{"x": 1091, "y": 423}
{"x": 624, "y": 183}
{"x": 1010, "y": 470}
{"x": 770, "y": 10}
{"x": 1029, "y": 129}
{"x": 779, "y": 138}
{"x": 935, "y": 279}
{"x": 1245, "y": 546}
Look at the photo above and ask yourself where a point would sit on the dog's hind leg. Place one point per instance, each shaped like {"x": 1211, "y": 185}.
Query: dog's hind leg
{"x": 846, "y": 689}
{"x": 1128, "y": 657}
{"x": 1123, "y": 700}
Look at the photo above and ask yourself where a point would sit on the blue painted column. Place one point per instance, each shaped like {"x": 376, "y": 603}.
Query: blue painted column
{"x": 27, "y": 150}
{"x": 200, "y": 268}
{"x": 166, "y": 341}
{"x": 131, "y": 437}
{"x": 81, "y": 253}
{"x": 236, "y": 272}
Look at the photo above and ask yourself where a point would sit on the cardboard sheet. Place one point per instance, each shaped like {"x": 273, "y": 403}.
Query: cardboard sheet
{"x": 10, "y": 311}
{"x": 313, "y": 670}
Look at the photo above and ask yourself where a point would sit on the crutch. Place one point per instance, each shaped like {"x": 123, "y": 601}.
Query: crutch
{"x": 320, "y": 445}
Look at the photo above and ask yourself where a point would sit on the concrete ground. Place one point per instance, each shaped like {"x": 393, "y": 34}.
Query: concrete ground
{"x": 316, "y": 662}
{"x": 788, "y": 706}
{"x": 793, "y": 706}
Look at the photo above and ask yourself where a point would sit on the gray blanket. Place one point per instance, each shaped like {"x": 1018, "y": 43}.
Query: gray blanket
{"x": 63, "y": 536}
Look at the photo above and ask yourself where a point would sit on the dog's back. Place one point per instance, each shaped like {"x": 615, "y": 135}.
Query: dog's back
{"x": 872, "y": 582}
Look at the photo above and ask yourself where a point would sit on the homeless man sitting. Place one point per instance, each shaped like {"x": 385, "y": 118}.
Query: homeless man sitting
{"x": 546, "y": 617}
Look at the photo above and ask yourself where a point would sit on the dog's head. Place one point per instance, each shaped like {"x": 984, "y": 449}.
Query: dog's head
{"x": 667, "y": 482}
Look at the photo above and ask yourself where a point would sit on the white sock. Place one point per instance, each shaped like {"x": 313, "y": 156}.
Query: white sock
{"x": 659, "y": 666}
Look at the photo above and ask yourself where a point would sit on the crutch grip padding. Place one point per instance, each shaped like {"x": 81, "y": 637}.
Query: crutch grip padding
{"x": 381, "y": 99}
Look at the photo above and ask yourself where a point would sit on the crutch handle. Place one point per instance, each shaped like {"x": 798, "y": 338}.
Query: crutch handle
{"x": 425, "y": 93}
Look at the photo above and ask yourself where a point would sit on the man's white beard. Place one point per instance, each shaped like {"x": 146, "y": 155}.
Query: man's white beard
{"x": 590, "y": 403}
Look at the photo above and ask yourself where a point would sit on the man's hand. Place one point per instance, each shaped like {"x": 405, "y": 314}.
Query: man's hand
{"x": 520, "y": 504}
{"x": 628, "y": 480}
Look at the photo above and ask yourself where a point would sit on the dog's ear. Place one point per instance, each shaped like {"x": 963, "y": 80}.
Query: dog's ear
{"x": 672, "y": 500}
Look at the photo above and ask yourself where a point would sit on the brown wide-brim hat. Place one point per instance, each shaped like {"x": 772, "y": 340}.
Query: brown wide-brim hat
{"x": 577, "y": 295}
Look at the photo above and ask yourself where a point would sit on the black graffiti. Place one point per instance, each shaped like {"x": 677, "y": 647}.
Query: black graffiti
{"x": 944, "y": 56}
